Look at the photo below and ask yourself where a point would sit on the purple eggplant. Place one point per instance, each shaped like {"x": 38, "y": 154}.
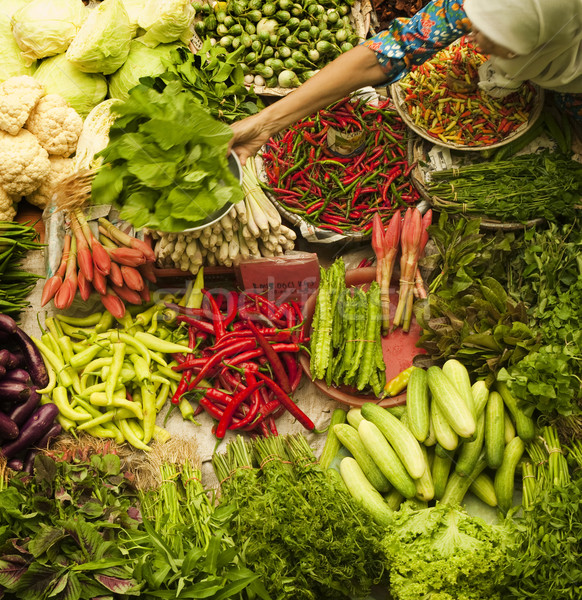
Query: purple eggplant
{"x": 9, "y": 360}
{"x": 18, "y": 375}
{"x": 28, "y": 465}
{"x": 51, "y": 434}
{"x": 12, "y": 392}
{"x": 16, "y": 464}
{"x": 34, "y": 362}
{"x": 2, "y": 371}
{"x": 32, "y": 431}
{"x": 8, "y": 324}
{"x": 19, "y": 414}
{"x": 8, "y": 428}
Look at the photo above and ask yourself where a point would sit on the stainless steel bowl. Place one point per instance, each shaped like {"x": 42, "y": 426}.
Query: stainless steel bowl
{"x": 211, "y": 219}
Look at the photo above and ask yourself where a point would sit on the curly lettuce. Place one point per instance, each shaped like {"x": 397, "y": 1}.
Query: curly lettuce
{"x": 443, "y": 553}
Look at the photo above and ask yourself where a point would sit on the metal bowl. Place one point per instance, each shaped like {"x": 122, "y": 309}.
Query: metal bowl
{"x": 236, "y": 169}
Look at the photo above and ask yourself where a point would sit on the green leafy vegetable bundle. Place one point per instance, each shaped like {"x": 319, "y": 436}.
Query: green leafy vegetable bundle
{"x": 547, "y": 185}
{"x": 166, "y": 164}
{"x": 443, "y": 553}
{"x": 302, "y": 533}
{"x": 547, "y": 533}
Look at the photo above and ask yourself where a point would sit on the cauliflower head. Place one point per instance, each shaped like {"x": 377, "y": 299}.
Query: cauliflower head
{"x": 60, "y": 168}
{"x": 7, "y": 206}
{"x": 24, "y": 163}
{"x": 18, "y": 96}
{"x": 55, "y": 125}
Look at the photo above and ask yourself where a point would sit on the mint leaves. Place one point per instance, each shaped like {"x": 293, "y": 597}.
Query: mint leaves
{"x": 166, "y": 165}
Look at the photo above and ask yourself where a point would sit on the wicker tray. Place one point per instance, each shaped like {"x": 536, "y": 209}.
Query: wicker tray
{"x": 360, "y": 16}
{"x": 418, "y": 152}
{"x": 398, "y": 95}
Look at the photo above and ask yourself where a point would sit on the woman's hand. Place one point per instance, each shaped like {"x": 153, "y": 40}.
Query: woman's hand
{"x": 249, "y": 135}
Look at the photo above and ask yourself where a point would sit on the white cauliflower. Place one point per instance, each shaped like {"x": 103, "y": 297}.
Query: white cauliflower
{"x": 18, "y": 96}
{"x": 24, "y": 163}
{"x": 60, "y": 168}
{"x": 7, "y": 206}
{"x": 55, "y": 125}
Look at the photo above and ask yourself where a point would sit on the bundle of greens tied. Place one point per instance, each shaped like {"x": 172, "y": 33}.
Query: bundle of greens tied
{"x": 15, "y": 283}
{"x": 346, "y": 345}
{"x": 547, "y": 533}
{"x": 539, "y": 185}
{"x": 301, "y": 532}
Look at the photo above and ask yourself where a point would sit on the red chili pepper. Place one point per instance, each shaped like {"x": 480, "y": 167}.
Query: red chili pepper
{"x": 217, "y": 319}
{"x": 182, "y": 387}
{"x": 197, "y": 323}
{"x": 214, "y": 360}
{"x": 230, "y": 409}
{"x": 286, "y": 401}
{"x": 254, "y": 408}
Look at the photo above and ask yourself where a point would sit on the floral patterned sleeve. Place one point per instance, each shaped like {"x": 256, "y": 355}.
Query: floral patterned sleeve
{"x": 412, "y": 41}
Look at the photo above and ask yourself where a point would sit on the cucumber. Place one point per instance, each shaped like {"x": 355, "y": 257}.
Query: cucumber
{"x": 364, "y": 492}
{"x": 399, "y": 437}
{"x": 508, "y": 427}
{"x": 386, "y": 458}
{"x": 523, "y": 424}
{"x": 443, "y": 432}
{"x": 454, "y": 408}
{"x": 480, "y": 393}
{"x": 417, "y": 404}
{"x": 470, "y": 451}
{"x": 397, "y": 411}
{"x": 394, "y": 499}
{"x": 441, "y": 467}
{"x": 458, "y": 486}
{"x": 457, "y": 373}
{"x": 354, "y": 417}
{"x": 424, "y": 484}
{"x": 494, "y": 430}
{"x": 431, "y": 439}
{"x": 332, "y": 443}
{"x": 484, "y": 489}
{"x": 504, "y": 482}
{"x": 349, "y": 437}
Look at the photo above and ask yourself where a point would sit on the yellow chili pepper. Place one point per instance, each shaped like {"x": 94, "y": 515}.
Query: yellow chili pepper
{"x": 60, "y": 399}
{"x": 398, "y": 383}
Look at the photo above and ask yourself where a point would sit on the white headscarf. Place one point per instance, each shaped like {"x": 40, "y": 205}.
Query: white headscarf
{"x": 545, "y": 34}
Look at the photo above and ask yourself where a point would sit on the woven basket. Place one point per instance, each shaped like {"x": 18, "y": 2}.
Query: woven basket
{"x": 418, "y": 149}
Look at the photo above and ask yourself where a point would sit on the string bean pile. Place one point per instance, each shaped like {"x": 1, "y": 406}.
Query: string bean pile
{"x": 529, "y": 186}
{"x": 346, "y": 346}
{"x": 467, "y": 117}
{"x": 15, "y": 283}
{"x": 335, "y": 193}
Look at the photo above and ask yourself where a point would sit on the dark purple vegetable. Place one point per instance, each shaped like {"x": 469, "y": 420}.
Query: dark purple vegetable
{"x": 9, "y": 360}
{"x": 51, "y": 434}
{"x": 33, "y": 430}
{"x": 33, "y": 359}
{"x": 13, "y": 391}
{"x": 8, "y": 324}
{"x": 19, "y": 414}
{"x": 8, "y": 428}
{"x": 16, "y": 464}
{"x": 28, "y": 465}
{"x": 2, "y": 371}
{"x": 18, "y": 375}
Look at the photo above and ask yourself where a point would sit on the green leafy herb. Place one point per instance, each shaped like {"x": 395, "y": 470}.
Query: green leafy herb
{"x": 166, "y": 164}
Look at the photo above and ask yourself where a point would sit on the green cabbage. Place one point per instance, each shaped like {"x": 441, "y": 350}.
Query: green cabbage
{"x": 102, "y": 44}
{"x": 83, "y": 91}
{"x": 12, "y": 63}
{"x": 142, "y": 61}
{"x": 134, "y": 9}
{"x": 166, "y": 21}
{"x": 44, "y": 28}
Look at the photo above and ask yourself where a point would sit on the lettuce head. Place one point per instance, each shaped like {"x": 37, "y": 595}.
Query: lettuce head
{"x": 44, "y": 28}
{"x": 82, "y": 91}
{"x": 102, "y": 44}
{"x": 142, "y": 61}
{"x": 166, "y": 21}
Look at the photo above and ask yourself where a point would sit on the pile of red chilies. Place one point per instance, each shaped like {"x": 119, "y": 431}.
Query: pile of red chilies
{"x": 248, "y": 353}
{"x": 342, "y": 194}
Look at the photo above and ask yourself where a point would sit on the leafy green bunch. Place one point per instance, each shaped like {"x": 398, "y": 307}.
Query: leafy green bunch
{"x": 166, "y": 164}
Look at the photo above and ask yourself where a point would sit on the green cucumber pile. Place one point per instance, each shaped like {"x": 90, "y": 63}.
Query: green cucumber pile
{"x": 286, "y": 41}
{"x": 346, "y": 345}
